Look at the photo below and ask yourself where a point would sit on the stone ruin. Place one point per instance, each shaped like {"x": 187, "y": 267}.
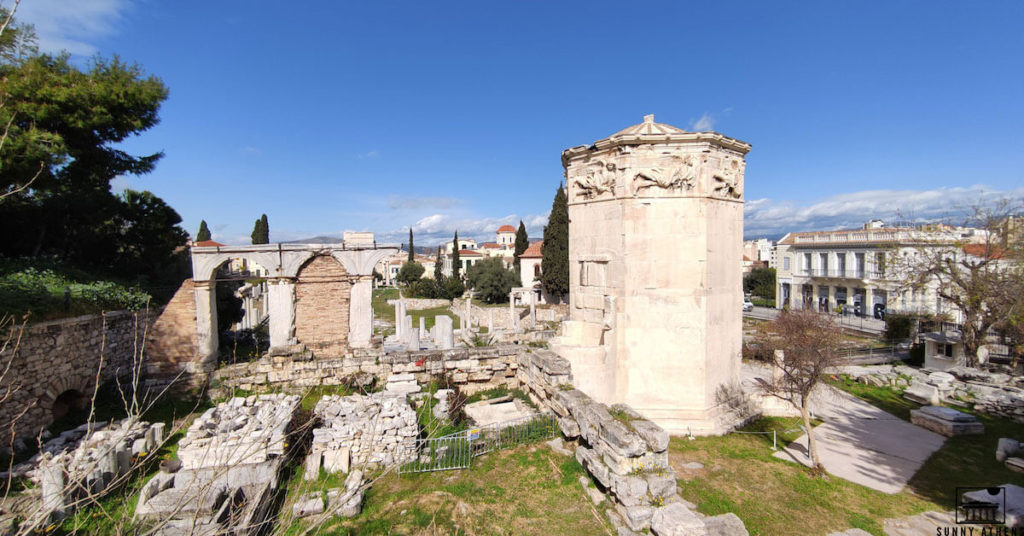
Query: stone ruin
{"x": 375, "y": 430}
{"x": 624, "y": 453}
{"x": 655, "y": 231}
{"x": 87, "y": 461}
{"x": 231, "y": 461}
{"x": 413, "y": 339}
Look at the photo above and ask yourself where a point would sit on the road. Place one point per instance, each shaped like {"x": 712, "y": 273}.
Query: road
{"x": 867, "y": 325}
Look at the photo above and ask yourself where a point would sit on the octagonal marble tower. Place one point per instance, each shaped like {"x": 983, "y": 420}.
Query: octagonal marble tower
{"x": 655, "y": 238}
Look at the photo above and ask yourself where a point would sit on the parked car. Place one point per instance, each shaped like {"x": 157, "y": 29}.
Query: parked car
{"x": 747, "y": 305}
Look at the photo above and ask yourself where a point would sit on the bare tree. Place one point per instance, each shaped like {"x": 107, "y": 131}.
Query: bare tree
{"x": 975, "y": 269}
{"x": 803, "y": 345}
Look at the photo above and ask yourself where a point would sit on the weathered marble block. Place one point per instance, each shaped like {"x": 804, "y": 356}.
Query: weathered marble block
{"x": 946, "y": 421}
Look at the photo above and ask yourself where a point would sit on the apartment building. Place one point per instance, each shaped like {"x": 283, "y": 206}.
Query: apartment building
{"x": 848, "y": 271}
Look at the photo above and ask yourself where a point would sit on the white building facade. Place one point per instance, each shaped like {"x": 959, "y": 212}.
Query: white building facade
{"x": 850, "y": 272}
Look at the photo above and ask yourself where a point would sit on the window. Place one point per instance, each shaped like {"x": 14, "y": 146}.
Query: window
{"x": 536, "y": 270}
{"x": 785, "y": 263}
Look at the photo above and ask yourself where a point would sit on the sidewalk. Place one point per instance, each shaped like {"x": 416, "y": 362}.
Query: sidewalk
{"x": 864, "y": 444}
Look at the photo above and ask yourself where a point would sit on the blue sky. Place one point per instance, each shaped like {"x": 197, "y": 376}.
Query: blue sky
{"x": 376, "y": 116}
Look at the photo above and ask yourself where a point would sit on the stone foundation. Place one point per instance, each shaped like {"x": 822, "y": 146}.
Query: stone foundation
{"x": 472, "y": 369}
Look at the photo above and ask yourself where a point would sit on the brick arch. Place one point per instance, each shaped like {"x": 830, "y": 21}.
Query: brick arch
{"x": 322, "y": 293}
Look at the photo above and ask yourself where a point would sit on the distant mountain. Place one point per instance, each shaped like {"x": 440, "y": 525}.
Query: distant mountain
{"x": 316, "y": 240}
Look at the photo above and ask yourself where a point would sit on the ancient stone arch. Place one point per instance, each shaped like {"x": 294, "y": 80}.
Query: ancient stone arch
{"x": 352, "y": 272}
{"x": 322, "y": 296}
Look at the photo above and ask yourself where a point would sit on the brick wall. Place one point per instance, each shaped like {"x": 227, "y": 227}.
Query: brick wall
{"x": 172, "y": 343}
{"x": 322, "y": 305}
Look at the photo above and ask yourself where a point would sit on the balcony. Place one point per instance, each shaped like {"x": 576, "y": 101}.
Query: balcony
{"x": 834, "y": 273}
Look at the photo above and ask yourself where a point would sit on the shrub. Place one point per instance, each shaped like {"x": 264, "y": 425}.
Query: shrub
{"x": 899, "y": 327}
{"x": 411, "y": 271}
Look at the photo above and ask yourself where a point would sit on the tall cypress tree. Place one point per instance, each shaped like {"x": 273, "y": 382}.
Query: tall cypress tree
{"x": 438, "y": 265}
{"x": 554, "y": 275}
{"x": 522, "y": 242}
{"x": 412, "y": 249}
{"x": 455, "y": 256}
{"x": 264, "y": 229}
{"x": 204, "y": 232}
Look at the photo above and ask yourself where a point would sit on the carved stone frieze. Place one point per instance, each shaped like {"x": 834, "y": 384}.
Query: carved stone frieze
{"x": 727, "y": 180}
{"x": 681, "y": 174}
{"x": 595, "y": 179}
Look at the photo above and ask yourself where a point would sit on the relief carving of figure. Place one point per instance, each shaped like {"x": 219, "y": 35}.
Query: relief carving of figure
{"x": 682, "y": 174}
{"x": 728, "y": 180}
{"x": 596, "y": 179}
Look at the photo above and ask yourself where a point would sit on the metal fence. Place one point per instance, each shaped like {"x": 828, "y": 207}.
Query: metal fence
{"x": 456, "y": 451}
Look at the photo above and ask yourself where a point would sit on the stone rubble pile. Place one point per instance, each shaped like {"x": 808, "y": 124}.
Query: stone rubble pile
{"x": 378, "y": 429}
{"x": 88, "y": 460}
{"x": 341, "y": 502}
{"x": 242, "y": 430}
{"x": 625, "y": 454}
{"x": 987, "y": 392}
{"x": 231, "y": 462}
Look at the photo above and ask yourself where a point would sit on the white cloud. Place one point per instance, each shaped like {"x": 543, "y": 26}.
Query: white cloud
{"x": 71, "y": 25}
{"x": 771, "y": 218}
{"x": 397, "y": 202}
{"x": 371, "y": 154}
{"x": 438, "y": 228}
{"x": 704, "y": 123}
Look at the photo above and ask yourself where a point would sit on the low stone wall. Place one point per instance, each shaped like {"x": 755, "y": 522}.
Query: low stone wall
{"x": 377, "y": 430}
{"x": 416, "y": 304}
{"x": 625, "y": 454}
{"x": 47, "y": 359}
{"x": 473, "y": 369}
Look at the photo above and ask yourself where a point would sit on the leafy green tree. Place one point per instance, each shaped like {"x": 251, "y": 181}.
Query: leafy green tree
{"x": 410, "y": 271}
{"x": 555, "y": 251}
{"x": 204, "y": 232}
{"x": 491, "y": 280}
{"x": 456, "y": 266}
{"x": 522, "y": 242}
{"x": 760, "y": 282}
{"x": 146, "y": 233}
{"x": 63, "y": 130}
{"x": 439, "y": 265}
{"x": 261, "y": 231}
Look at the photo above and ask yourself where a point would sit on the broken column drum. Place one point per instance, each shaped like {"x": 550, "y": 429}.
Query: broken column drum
{"x": 655, "y": 238}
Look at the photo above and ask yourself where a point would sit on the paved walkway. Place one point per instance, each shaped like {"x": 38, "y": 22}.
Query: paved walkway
{"x": 860, "y": 442}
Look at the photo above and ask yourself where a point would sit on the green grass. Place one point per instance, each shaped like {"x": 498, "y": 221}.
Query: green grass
{"x": 429, "y": 314}
{"x": 741, "y": 476}
{"x": 381, "y": 308}
{"x": 529, "y": 490}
